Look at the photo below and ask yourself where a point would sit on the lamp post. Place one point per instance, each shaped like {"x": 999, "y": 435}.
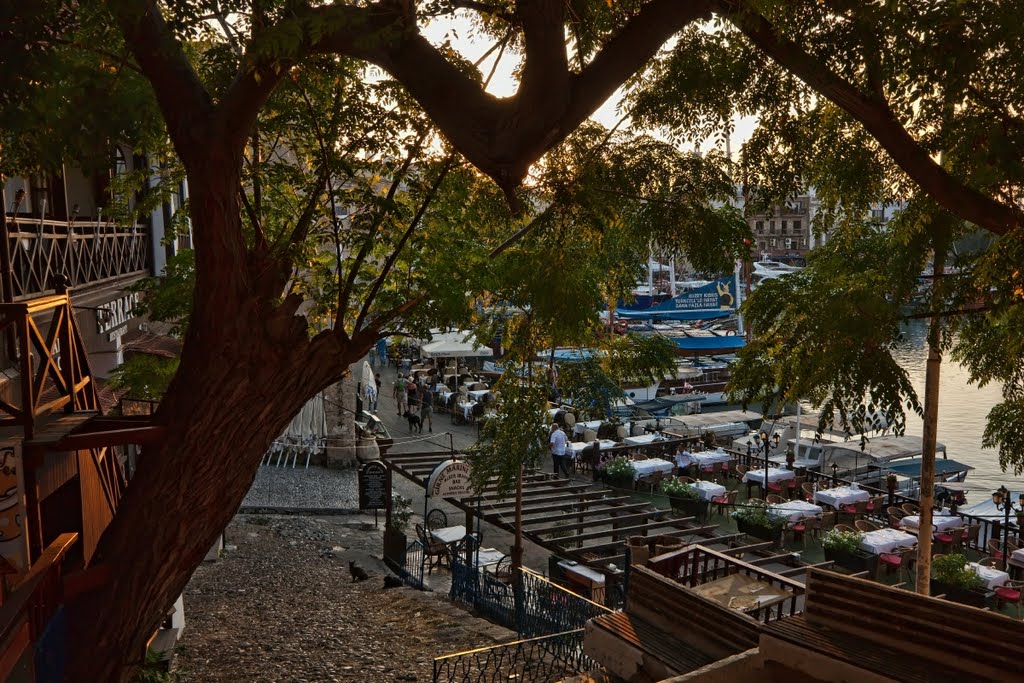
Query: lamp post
{"x": 835, "y": 474}
{"x": 762, "y": 440}
{"x": 1001, "y": 498}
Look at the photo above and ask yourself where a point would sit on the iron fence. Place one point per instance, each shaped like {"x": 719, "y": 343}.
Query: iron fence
{"x": 411, "y": 570}
{"x": 534, "y": 660}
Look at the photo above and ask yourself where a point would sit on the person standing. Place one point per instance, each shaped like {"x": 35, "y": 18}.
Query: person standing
{"x": 380, "y": 383}
{"x": 427, "y": 407}
{"x": 559, "y": 443}
{"x": 414, "y": 396}
{"x": 401, "y": 395}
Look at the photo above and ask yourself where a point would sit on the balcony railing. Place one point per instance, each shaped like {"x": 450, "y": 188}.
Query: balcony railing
{"x": 85, "y": 252}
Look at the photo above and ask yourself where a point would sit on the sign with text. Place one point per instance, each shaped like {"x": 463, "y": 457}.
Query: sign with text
{"x": 450, "y": 479}
{"x": 373, "y": 486}
{"x": 720, "y": 294}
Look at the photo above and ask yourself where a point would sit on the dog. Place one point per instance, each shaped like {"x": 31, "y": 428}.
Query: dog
{"x": 357, "y": 572}
{"x": 415, "y": 423}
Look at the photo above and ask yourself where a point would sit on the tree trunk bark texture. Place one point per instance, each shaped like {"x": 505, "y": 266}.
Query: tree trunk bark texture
{"x": 930, "y": 432}
{"x": 247, "y": 368}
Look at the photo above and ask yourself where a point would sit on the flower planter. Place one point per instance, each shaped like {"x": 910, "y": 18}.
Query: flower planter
{"x": 965, "y": 596}
{"x": 395, "y": 545}
{"x": 619, "y": 482}
{"x": 857, "y": 561}
{"x": 688, "y": 506}
{"x": 766, "y": 533}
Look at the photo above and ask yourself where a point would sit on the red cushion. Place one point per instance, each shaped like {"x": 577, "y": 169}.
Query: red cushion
{"x": 852, "y": 509}
{"x": 799, "y": 527}
{"x": 774, "y": 486}
{"x": 1009, "y": 594}
{"x": 719, "y": 499}
{"x": 944, "y": 538}
{"x": 894, "y": 560}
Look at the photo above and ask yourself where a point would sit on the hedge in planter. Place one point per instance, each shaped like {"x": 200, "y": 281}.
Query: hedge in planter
{"x": 843, "y": 548}
{"x": 684, "y": 497}
{"x": 954, "y": 579}
{"x": 618, "y": 473}
{"x": 395, "y": 541}
{"x": 753, "y": 519}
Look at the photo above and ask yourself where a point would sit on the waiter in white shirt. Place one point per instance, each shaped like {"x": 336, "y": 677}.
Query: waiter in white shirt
{"x": 559, "y": 444}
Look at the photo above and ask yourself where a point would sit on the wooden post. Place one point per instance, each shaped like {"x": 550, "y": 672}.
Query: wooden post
{"x": 517, "y": 547}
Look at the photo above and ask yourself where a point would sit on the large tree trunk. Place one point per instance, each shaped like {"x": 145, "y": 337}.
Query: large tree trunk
{"x": 248, "y": 366}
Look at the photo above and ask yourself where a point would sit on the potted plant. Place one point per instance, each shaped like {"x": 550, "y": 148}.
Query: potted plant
{"x": 954, "y": 579}
{"x": 843, "y": 548}
{"x": 395, "y": 542}
{"x": 684, "y": 497}
{"x": 619, "y": 473}
{"x": 753, "y": 519}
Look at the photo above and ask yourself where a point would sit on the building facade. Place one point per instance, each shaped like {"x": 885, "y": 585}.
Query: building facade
{"x": 784, "y": 233}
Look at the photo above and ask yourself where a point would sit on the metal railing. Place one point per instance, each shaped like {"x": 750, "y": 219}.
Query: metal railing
{"x": 411, "y": 571}
{"x": 85, "y": 252}
{"x": 535, "y": 660}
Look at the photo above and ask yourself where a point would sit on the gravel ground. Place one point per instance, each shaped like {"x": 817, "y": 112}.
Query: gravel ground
{"x": 280, "y": 606}
{"x": 316, "y": 487}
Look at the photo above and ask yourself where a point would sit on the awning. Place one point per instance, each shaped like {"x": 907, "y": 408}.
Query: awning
{"x": 712, "y": 314}
{"x": 455, "y": 349}
{"x": 708, "y": 343}
{"x": 912, "y": 468}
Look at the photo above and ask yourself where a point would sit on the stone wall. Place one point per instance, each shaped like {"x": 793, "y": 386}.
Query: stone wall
{"x": 340, "y": 408}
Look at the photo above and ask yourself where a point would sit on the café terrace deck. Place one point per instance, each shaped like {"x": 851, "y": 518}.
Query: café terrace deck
{"x": 589, "y": 527}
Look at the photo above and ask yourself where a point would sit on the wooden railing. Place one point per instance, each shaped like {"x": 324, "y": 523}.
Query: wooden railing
{"x": 83, "y": 252}
{"x": 32, "y": 604}
{"x": 696, "y": 565}
{"x": 54, "y": 368}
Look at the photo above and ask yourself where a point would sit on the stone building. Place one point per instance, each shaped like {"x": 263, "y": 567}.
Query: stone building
{"x": 784, "y": 233}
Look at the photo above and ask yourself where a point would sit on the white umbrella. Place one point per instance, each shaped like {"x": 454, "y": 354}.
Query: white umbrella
{"x": 368, "y": 378}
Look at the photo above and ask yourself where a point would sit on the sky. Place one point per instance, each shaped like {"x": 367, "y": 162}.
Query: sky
{"x": 503, "y": 84}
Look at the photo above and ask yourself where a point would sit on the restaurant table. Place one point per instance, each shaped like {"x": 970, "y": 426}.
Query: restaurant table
{"x": 774, "y": 474}
{"x": 992, "y": 577}
{"x": 886, "y": 541}
{"x": 643, "y": 439}
{"x": 589, "y": 579}
{"x": 581, "y": 427}
{"x": 841, "y": 495}
{"x": 487, "y": 557}
{"x": 742, "y": 592}
{"x": 794, "y": 510}
{"x": 467, "y": 408}
{"x": 702, "y": 459}
{"x": 645, "y": 468}
{"x": 1016, "y": 558}
{"x": 940, "y": 522}
{"x": 449, "y": 534}
{"x": 578, "y": 446}
{"x": 478, "y": 394}
{"x": 708, "y": 489}
{"x": 554, "y": 411}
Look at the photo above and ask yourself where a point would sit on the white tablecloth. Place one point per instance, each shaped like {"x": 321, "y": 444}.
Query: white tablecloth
{"x": 578, "y": 446}
{"x": 449, "y": 534}
{"x": 642, "y": 439}
{"x": 886, "y": 541}
{"x": 594, "y": 577}
{"x": 645, "y": 468}
{"x": 581, "y": 427}
{"x": 794, "y": 510}
{"x": 488, "y": 557}
{"x": 467, "y": 409}
{"x": 478, "y": 394}
{"x": 774, "y": 474}
{"x": 842, "y": 495}
{"x": 1016, "y": 557}
{"x": 940, "y": 522}
{"x": 709, "y": 489}
{"x": 992, "y": 577}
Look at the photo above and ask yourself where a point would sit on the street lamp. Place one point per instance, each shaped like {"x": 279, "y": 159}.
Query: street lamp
{"x": 763, "y": 440}
{"x": 1001, "y": 498}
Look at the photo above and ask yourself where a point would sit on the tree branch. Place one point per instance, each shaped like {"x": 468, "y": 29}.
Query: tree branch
{"x": 185, "y": 103}
{"x": 878, "y": 119}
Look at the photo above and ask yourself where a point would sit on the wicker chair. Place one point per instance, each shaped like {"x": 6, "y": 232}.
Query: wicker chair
{"x": 722, "y": 501}
{"x": 910, "y": 508}
{"x": 435, "y": 552}
{"x": 865, "y": 526}
{"x": 843, "y": 527}
{"x": 773, "y": 499}
{"x": 1011, "y": 593}
{"x": 899, "y": 560}
{"x": 436, "y": 519}
{"x": 808, "y": 490}
{"x": 995, "y": 549}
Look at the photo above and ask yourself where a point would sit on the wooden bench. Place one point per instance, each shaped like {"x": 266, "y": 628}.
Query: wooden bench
{"x": 666, "y": 630}
{"x": 899, "y": 634}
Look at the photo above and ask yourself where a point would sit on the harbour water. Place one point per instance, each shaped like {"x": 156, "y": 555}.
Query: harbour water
{"x": 963, "y": 409}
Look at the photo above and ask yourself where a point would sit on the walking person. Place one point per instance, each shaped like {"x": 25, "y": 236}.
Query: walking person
{"x": 401, "y": 395}
{"x": 427, "y": 407}
{"x": 414, "y": 396}
{"x": 559, "y": 444}
{"x": 380, "y": 383}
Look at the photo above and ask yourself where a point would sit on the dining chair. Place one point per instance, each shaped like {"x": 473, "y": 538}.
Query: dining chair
{"x": 990, "y": 562}
{"x": 728, "y": 499}
{"x": 435, "y": 551}
{"x": 774, "y": 499}
{"x": 910, "y": 508}
{"x": 865, "y": 526}
{"x": 843, "y": 527}
{"x": 794, "y": 485}
{"x": 898, "y": 560}
{"x": 894, "y": 521}
{"x": 875, "y": 505}
{"x": 949, "y": 540}
{"x": 995, "y": 549}
{"x": 895, "y": 512}
{"x": 1010, "y": 593}
{"x": 436, "y": 519}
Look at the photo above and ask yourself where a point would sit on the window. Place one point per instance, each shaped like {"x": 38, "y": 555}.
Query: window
{"x": 760, "y": 226}
{"x": 878, "y": 214}
{"x": 783, "y": 227}
{"x": 771, "y": 228}
{"x": 760, "y": 245}
{"x": 771, "y": 243}
{"x": 796, "y": 227}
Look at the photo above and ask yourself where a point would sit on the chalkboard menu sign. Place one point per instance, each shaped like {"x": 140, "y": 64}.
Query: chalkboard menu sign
{"x": 373, "y": 486}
